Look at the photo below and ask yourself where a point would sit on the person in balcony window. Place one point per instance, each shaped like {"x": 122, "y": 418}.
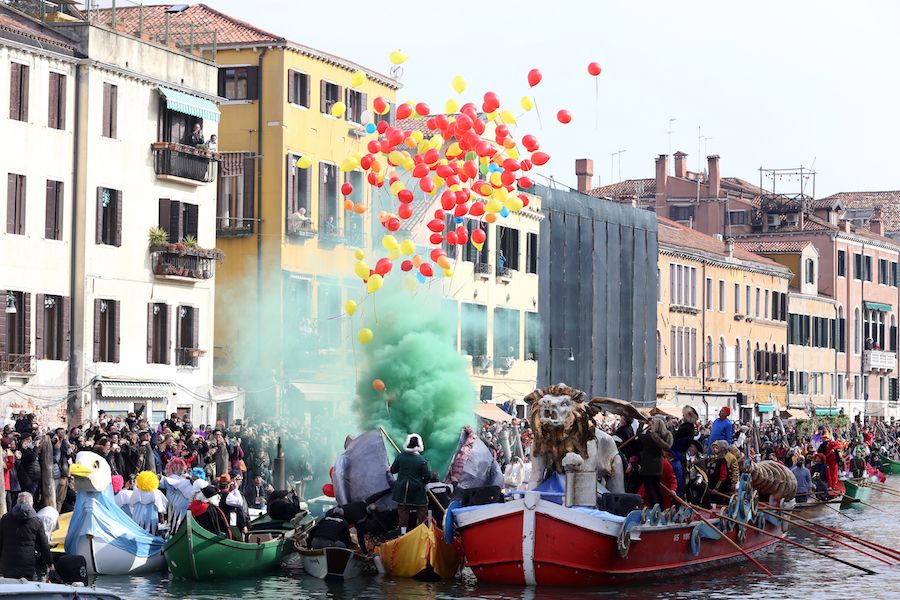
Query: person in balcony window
{"x": 299, "y": 221}
{"x": 501, "y": 262}
{"x": 213, "y": 144}
{"x": 330, "y": 227}
{"x": 196, "y": 138}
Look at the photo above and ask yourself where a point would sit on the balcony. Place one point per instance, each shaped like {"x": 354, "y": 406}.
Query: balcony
{"x": 177, "y": 262}
{"x": 188, "y": 357}
{"x": 184, "y": 163}
{"x": 879, "y": 360}
{"x": 483, "y": 270}
{"x": 17, "y": 364}
{"x": 233, "y": 227}
{"x": 504, "y": 274}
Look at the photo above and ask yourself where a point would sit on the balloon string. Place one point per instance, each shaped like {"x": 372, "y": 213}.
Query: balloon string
{"x": 596, "y": 103}
{"x": 538, "y": 113}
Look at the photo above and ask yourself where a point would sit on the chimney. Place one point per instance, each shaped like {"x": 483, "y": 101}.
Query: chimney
{"x": 846, "y": 225}
{"x": 662, "y": 192}
{"x": 876, "y": 225}
{"x": 714, "y": 176}
{"x": 729, "y": 247}
{"x": 584, "y": 170}
{"x": 680, "y": 164}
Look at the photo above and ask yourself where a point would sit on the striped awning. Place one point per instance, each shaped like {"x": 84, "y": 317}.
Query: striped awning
{"x": 134, "y": 389}
{"x": 880, "y": 306}
{"x": 189, "y": 105}
{"x": 765, "y": 407}
{"x": 827, "y": 411}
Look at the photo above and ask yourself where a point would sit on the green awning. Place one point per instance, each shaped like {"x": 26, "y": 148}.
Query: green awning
{"x": 765, "y": 407}
{"x": 189, "y": 105}
{"x": 878, "y": 306}
{"x": 827, "y": 411}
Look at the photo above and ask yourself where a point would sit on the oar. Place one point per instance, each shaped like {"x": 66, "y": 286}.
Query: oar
{"x": 826, "y": 536}
{"x": 871, "y": 545}
{"x": 798, "y": 544}
{"x": 872, "y": 506}
{"x": 717, "y": 530}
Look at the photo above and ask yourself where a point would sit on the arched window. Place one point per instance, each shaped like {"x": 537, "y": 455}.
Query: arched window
{"x": 658, "y": 354}
{"x": 737, "y": 359}
{"x": 748, "y": 364}
{"x": 722, "y": 369}
{"x": 857, "y": 331}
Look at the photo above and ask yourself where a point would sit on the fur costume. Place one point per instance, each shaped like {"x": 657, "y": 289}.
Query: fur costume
{"x": 659, "y": 433}
{"x": 572, "y": 436}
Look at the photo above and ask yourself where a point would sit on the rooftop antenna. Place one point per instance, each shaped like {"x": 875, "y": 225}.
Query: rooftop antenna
{"x": 612, "y": 158}
{"x": 671, "y": 120}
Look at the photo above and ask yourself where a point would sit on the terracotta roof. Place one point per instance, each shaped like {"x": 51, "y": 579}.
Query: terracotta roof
{"x": 774, "y": 246}
{"x": 810, "y": 223}
{"x": 205, "y": 20}
{"x": 888, "y": 202}
{"x": 641, "y": 188}
{"x": 679, "y": 236}
{"x": 736, "y": 184}
{"x": 24, "y": 26}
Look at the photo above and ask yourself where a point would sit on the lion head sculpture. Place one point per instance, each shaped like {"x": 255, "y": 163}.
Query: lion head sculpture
{"x": 562, "y": 422}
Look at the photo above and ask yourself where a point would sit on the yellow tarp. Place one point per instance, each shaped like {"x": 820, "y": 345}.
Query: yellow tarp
{"x": 58, "y": 537}
{"x": 412, "y": 553}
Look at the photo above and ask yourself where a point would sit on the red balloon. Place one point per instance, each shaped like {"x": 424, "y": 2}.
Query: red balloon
{"x": 436, "y": 225}
{"x": 451, "y": 238}
{"x": 526, "y": 164}
{"x": 404, "y": 211}
{"x": 594, "y": 69}
{"x": 524, "y": 200}
{"x": 460, "y": 210}
{"x": 379, "y": 104}
{"x": 382, "y": 126}
{"x": 366, "y": 161}
{"x": 383, "y": 266}
{"x": 463, "y": 122}
{"x": 477, "y": 209}
{"x": 436, "y": 239}
{"x": 426, "y": 270}
{"x": 437, "y": 253}
{"x": 462, "y": 237}
{"x": 511, "y": 164}
{"x": 507, "y": 177}
{"x": 406, "y": 265}
{"x": 403, "y": 111}
{"x": 439, "y": 214}
{"x": 530, "y": 142}
{"x": 484, "y": 148}
{"x": 431, "y": 156}
{"x": 470, "y": 169}
{"x": 534, "y": 77}
{"x": 374, "y": 146}
{"x": 478, "y": 236}
{"x": 540, "y": 158}
{"x": 564, "y": 116}
{"x": 525, "y": 183}
{"x": 491, "y": 99}
{"x": 420, "y": 170}
{"x": 346, "y": 188}
{"x": 393, "y": 224}
{"x": 405, "y": 196}
{"x": 448, "y": 200}
{"x": 422, "y": 109}
{"x": 328, "y": 490}
{"x": 478, "y": 126}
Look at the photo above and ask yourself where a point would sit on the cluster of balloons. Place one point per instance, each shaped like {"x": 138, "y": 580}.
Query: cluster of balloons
{"x": 467, "y": 157}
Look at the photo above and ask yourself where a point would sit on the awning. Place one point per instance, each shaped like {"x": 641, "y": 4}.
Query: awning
{"x": 881, "y": 306}
{"x": 799, "y": 415}
{"x": 492, "y": 412}
{"x": 670, "y": 410}
{"x": 189, "y": 105}
{"x": 225, "y": 393}
{"x": 134, "y": 389}
{"x": 322, "y": 392}
{"x": 827, "y": 411}
{"x": 765, "y": 407}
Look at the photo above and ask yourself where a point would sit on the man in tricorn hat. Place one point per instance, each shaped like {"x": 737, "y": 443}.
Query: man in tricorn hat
{"x": 412, "y": 472}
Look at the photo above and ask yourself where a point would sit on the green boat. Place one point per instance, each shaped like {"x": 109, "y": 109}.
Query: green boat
{"x": 194, "y": 553}
{"x": 890, "y": 467}
{"x": 855, "y": 491}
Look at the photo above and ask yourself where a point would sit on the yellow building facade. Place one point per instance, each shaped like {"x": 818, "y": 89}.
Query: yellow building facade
{"x": 721, "y": 326}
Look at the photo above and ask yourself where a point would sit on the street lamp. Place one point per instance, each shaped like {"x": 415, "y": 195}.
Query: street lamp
{"x": 570, "y": 358}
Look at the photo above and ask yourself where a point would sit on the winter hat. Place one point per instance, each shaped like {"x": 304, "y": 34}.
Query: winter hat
{"x": 198, "y": 473}
{"x": 117, "y": 483}
{"x": 176, "y": 465}
{"x": 726, "y": 410}
{"x": 414, "y": 443}
{"x": 208, "y": 492}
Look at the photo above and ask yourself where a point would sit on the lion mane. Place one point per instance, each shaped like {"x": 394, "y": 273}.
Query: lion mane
{"x": 573, "y": 436}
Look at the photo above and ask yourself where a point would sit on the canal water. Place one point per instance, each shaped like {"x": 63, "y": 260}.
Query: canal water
{"x": 798, "y": 574}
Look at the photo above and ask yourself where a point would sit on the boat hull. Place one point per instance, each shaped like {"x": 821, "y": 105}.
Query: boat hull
{"x": 334, "y": 563}
{"x": 106, "y": 559}
{"x": 857, "y": 491}
{"x": 194, "y": 553}
{"x": 421, "y": 553}
{"x": 890, "y": 467}
{"x": 546, "y": 544}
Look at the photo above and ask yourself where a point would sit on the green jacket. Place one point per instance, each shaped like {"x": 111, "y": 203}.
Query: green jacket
{"x": 412, "y": 472}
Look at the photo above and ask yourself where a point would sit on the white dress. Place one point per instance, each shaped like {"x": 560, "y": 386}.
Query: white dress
{"x": 145, "y": 509}
{"x": 179, "y": 493}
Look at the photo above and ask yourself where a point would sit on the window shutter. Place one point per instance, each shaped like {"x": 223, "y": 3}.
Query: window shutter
{"x": 249, "y": 191}
{"x": 114, "y": 322}
{"x": 192, "y": 221}
{"x": 97, "y": 316}
{"x": 113, "y": 110}
{"x": 26, "y": 300}
{"x": 107, "y": 101}
{"x": 149, "y": 333}
{"x": 39, "y": 327}
{"x": 221, "y": 86}
{"x": 165, "y": 217}
{"x": 61, "y": 103}
{"x": 99, "y": 236}
{"x": 20, "y": 205}
{"x": 340, "y": 94}
{"x": 323, "y": 98}
{"x": 67, "y": 326}
{"x": 292, "y": 76}
{"x": 290, "y": 200}
{"x": 117, "y": 236}
{"x": 10, "y": 203}
{"x": 167, "y": 336}
{"x": 3, "y": 318}
{"x": 53, "y": 101}
{"x": 176, "y": 223}
{"x": 306, "y": 90}
{"x": 50, "y": 212}
{"x": 253, "y": 83}
{"x": 24, "y": 100}
{"x": 195, "y": 334}
{"x": 365, "y": 104}
{"x": 15, "y": 74}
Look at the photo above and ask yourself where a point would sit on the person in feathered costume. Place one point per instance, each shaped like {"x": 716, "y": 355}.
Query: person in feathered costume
{"x": 147, "y": 502}
{"x": 179, "y": 491}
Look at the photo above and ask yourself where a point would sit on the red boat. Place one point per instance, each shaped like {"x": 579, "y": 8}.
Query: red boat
{"x": 534, "y": 541}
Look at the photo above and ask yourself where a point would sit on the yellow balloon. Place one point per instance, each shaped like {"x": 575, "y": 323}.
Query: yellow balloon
{"x": 459, "y": 84}
{"x": 359, "y": 254}
{"x": 454, "y": 150}
{"x": 448, "y": 272}
{"x": 417, "y": 135}
{"x": 394, "y": 253}
{"x": 349, "y": 164}
{"x": 338, "y": 109}
{"x": 389, "y": 242}
{"x": 495, "y": 179}
{"x": 304, "y": 162}
{"x": 365, "y": 335}
{"x": 494, "y": 206}
{"x": 513, "y": 203}
{"x": 396, "y": 157}
{"x": 513, "y": 153}
{"x": 361, "y": 269}
{"x": 492, "y": 115}
{"x": 507, "y": 117}
{"x": 500, "y": 194}
{"x": 397, "y": 57}
{"x": 350, "y": 307}
{"x": 478, "y": 246}
{"x": 375, "y": 283}
{"x": 527, "y": 103}
{"x": 452, "y": 106}
{"x": 358, "y": 78}
{"x": 407, "y": 247}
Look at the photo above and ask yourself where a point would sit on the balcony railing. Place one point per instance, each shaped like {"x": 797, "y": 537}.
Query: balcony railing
{"x": 23, "y": 364}
{"x": 233, "y": 226}
{"x": 188, "y": 357}
{"x": 187, "y": 162}
{"x": 879, "y": 360}
{"x": 176, "y": 261}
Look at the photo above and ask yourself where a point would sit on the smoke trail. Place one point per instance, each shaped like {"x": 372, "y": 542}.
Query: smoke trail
{"x": 427, "y": 386}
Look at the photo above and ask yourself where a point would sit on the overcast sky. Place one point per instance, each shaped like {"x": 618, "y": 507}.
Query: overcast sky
{"x": 771, "y": 83}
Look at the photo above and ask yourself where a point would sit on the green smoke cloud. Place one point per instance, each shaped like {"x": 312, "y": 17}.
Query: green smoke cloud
{"x": 428, "y": 390}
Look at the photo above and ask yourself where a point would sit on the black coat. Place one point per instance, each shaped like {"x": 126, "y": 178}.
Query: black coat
{"x": 28, "y": 469}
{"x": 683, "y": 436}
{"x": 333, "y": 529}
{"x": 23, "y": 543}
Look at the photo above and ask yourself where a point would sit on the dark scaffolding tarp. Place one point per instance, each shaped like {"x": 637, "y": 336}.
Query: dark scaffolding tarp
{"x": 597, "y": 296}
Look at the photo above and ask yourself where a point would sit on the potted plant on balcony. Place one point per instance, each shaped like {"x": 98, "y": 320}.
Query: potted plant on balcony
{"x": 158, "y": 238}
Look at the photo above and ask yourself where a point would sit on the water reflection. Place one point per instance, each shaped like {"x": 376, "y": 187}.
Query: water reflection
{"x": 798, "y": 574}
